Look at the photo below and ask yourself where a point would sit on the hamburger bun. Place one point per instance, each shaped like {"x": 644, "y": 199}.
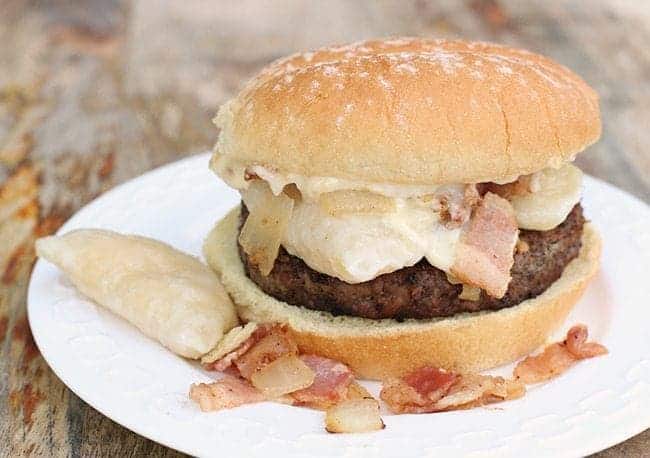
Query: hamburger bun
{"x": 378, "y": 349}
{"x": 409, "y": 111}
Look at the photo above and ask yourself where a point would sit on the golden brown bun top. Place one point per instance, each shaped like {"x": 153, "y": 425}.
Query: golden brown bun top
{"x": 410, "y": 111}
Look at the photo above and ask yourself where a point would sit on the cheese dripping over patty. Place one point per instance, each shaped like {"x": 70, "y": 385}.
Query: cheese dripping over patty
{"x": 358, "y": 246}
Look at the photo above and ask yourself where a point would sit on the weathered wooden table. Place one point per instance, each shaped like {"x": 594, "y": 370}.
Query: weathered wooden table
{"x": 94, "y": 93}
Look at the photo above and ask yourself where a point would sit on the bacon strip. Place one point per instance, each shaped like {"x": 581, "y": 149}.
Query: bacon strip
{"x": 430, "y": 389}
{"x": 225, "y": 393}
{"x": 484, "y": 255}
{"x": 558, "y": 357}
{"x": 472, "y": 390}
{"x": 227, "y": 360}
{"x": 525, "y": 184}
{"x": 418, "y": 391}
{"x": 249, "y": 380}
{"x": 269, "y": 348}
{"x": 576, "y": 343}
{"x": 224, "y": 363}
{"x": 332, "y": 383}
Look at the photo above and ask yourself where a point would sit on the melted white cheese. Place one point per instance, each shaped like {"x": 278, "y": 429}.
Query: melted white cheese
{"x": 357, "y": 248}
{"x": 556, "y": 193}
{"x": 310, "y": 187}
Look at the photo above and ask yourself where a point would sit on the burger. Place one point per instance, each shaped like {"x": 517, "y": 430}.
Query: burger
{"x": 407, "y": 202}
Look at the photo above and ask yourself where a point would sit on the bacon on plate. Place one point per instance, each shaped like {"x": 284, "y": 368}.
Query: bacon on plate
{"x": 237, "y": 342}
{"x": 525, "y": 184}
{"x": 473, "y": 390}
{"x": 430, "y": 389}
{"x": 332, "y": 383}
{"x": 275, "y": 344}
{"x": 225, "y": 393}
{"x": 558, "y": 357}
{"x": 576, "y": 343}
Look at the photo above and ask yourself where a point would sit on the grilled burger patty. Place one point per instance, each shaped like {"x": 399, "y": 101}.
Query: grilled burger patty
{"x": 421, "y": 291}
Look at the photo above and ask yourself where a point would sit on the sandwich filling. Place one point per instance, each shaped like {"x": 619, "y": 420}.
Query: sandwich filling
{"x": 356, "y": 232}
{"x": 422, "y": 291}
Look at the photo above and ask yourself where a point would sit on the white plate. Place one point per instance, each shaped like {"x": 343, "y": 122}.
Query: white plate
{"x": 140, "y": 385}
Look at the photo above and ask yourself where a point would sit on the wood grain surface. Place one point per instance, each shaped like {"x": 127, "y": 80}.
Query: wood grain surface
{"x": 93, "y": 93}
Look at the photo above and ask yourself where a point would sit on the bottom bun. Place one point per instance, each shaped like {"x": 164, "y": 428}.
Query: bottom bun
{"x": 378, "y": 349}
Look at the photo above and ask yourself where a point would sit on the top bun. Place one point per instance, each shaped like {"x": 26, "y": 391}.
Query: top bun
{"x": 410, "y": 111}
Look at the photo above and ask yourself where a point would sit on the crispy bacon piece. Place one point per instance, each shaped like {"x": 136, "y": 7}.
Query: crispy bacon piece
{"x": 270, "y": 347}
{"x": 263, "y": 367}
{"x": 484, "y": 255}
{"x": 558, "y": 357}
{"x": 455, "y": 206}
{"x": 225, "y": 393}
{"x": 430, "y": 383}
{"x": 332, "y": 383}
{"x": 554, "y": 360}
{"x": 472, "y": 390}
{"x": 430, "y": 389}
{"x": 576, "y": 343}
{"x": 525, "y": 184}
{"x": 418, "y": 391}
{"x": 227, "y": 360}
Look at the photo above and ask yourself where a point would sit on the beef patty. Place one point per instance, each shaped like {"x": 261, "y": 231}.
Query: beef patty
{"x": 420, "y": 291}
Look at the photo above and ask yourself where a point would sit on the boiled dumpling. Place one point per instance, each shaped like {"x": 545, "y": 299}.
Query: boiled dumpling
{"x": 170, "y": 296}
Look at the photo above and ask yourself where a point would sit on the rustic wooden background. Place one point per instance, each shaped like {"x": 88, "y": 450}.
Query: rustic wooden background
{"x": 94, "y": 93}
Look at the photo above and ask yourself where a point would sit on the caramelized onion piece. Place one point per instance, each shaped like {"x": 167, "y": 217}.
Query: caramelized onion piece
{"x": 549, "y": 202}
{"x": 292, "y": 191}
{"x": 356, "y": 391}
{"x": 284, "y": 375}
{"x": 267, "y": 221}
{"x": 470, "y": 293}
{"x": 338, "y": 203}
{"x": 354, "y": 416}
